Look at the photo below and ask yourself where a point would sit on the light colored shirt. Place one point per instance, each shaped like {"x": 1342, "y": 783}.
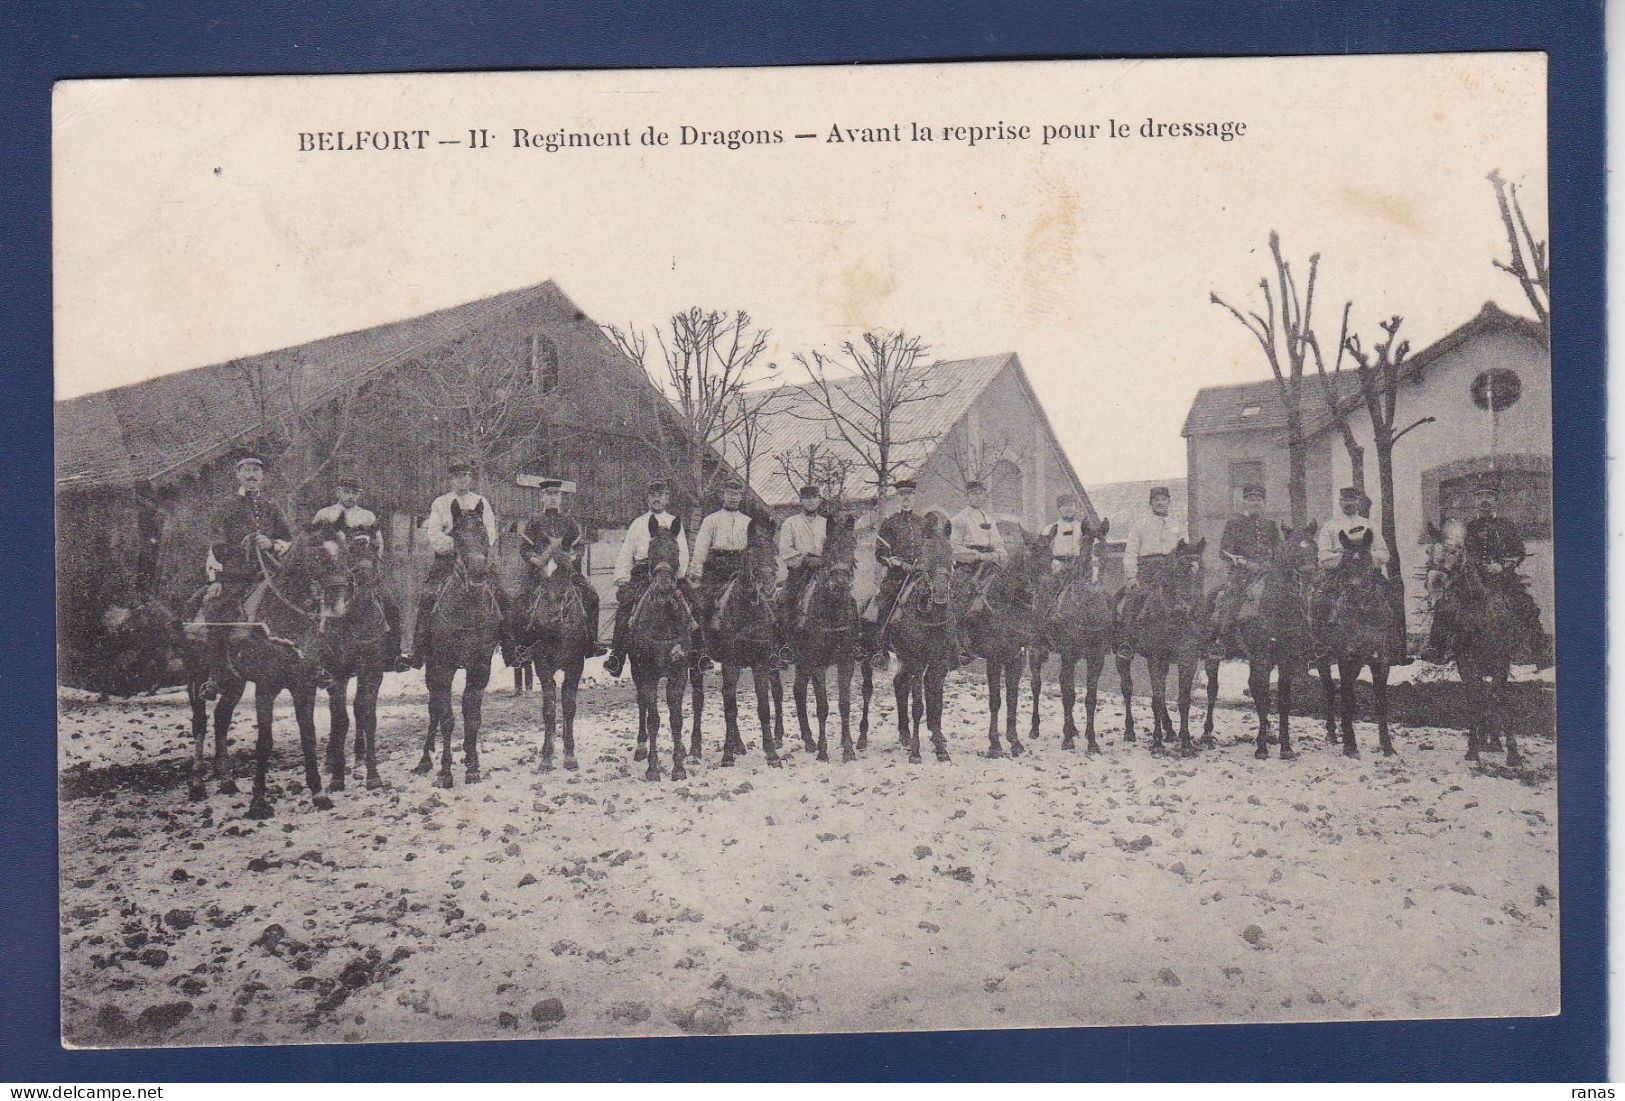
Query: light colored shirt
{"x": 1151, "y": 534}
{"x": 800, "y": 535}
{"x": 354, "y": 518}
{"x": 438, "y": 526}
{"x": 1355, "y": 527}
{"x": 1066, "y": 538}
{"x": 969, "y": 535}
{"x": 723, "y": 530}
{"x": 635, "y": 547}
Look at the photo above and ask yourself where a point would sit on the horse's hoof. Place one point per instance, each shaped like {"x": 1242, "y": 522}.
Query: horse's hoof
{"x": 847, "y": 756}
{"x": 942, "y": 755}
{"x": 1388, "y": 751}
{"x": 1261, "y": 753}
{"x": 1093, "y": 749}
{"x": 335, "y": 782}
{"x": 651, "y": 776}
{"x": 228, "y": 786}
{"x": 863, "y": 742}
{"x": 1351, "y": 751}
{"x": 1068, "y": 743}
{"x": 322, "y": 802}
{"x": 443, "y": 780}
{"x": 570, "y": 764}
{"x": 1209, "y": 742}
{"x": 1289, "y": 754}
{"x": 196, "y": 791}
{"x": 913, "y": 758}
{"x": 641, "y": 755}
{"x": 547, "y": 764}
{"x": 993, "y": 750}
{"x": 374, "y": 783}
{"x": 1016, "y": 748}
{"x": 727, "y": 760}
{"x": 424, "y": 766}
{"x": 823, "y": 755}
{"x": 775, "y": 762}
{"x": 1514, "y": 760}
{"x": 679, "y": 773}
{"x": 471, "y": 776}
{"x": 694, "y": 755}
{"x": 1128, "y": 736}
{"x": 259, "y": 808}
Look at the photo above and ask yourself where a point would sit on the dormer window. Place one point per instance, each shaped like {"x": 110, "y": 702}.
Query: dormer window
{"x": 1251, "y": 410}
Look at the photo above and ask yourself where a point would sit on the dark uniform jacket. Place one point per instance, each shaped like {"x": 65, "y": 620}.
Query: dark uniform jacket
{"x": 1251, "y": 537}
{"x": 553, "y": 526}
{"x": 1492, "y": 539}
{"x": 901, "y": 536}
{"x": 230, "y": 540}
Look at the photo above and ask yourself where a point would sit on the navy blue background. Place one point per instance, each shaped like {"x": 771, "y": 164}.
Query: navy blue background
{"x": 40, "y": 43}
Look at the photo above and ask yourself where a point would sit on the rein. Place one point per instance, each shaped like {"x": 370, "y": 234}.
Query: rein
{"x": 270, "y": 581}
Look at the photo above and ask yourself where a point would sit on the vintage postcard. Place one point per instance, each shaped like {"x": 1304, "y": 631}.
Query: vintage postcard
{"x": 838, "y": 549}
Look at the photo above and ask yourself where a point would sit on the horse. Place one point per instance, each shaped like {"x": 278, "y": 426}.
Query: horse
{"x": 465, "y": 624}
{"x": 276, "y": 645}
{"x": 659, "y": 634}
{"x": 553, "y": 636}
{"x": 1075, "y": 621}
{"x": 1487, "y": 633}
{"x": 354, "y": 643}
{"x": 1002, "y": 623}
{"x": 919, "y": 636}
{"x": 1363, "y": 631}
{"x": 1278, "y": 639}
{"x": 742, "y": 633}
{"x": 827, "y": 632}
{"x": 1171, "y": 630}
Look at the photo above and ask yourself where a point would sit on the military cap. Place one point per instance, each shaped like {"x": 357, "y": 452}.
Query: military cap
{"x": 1349, "y": 493}
{"x": 733, "y": 483}
{"x": 1066, "y": 499}
{"x": 811, "y": 491}
{"x": 244, "y": 456}
{"x": 658, "y": 485}
{"x": 461, "y": 466}
{"x": 973, "y": 485}
{"x": 348, "y": 480}
{"x": 904, "y": 483}
{"x": 1160, "y": 491}
{"x": 1253, "y": 493}
{"x": 549, "y": 483}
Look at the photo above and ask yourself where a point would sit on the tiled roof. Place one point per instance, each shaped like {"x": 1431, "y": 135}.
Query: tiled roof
{"x": 151, "y": 429}
{"x": 1123, "y": 502}
{"x": 795, "y": 418}
{"x": 1250, "y": 406}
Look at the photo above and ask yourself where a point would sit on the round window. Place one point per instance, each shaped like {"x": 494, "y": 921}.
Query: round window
{"x": 1497, "y": 389}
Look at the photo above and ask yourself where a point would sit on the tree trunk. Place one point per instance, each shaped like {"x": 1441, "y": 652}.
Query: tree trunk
{"x": 1297, "y": 478}
{"x": 1356, "y": 458}
{"x": 1390, "y": 532}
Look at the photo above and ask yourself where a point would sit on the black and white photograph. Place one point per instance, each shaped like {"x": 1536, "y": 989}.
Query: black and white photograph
{"x": 804, "y": 550}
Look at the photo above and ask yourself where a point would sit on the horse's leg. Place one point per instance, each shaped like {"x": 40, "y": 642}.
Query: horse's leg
{"x": 425, "y": 763}
{"x": 1491, "y": 737}
{"x": 1125, "y": 681}
{"x": 674, "y": 704}
{"x": 803, "y": 677}
{"x": 549, "y": 703}
{"x": 1186, "y": 680}
{"x": 475, "y": 678}
{"x": 1475, "y": 708}
{"x": 644, "y": 739}
{"x": 1012, "y": 692}
{"x": 231, "y": 693}
{"x": 995, "y": 689}
{"x": 648, "y": 686}
{"x": 1497, "y": 691}
{"x": 1283, "y": 699}
{"x": 931, "y": 688}
{"x": 902, "y": 690}
{"x": 820, "y": 687}
{"x": 1210, "y": 666}
{"x": 259, "y": 805}
{"x": 1066, "y": 673}
{"x": 338, "y": 730}
{"x": 1258, "y": 686}
{"x": 762, "y": 684}
{"x": 1035, "y": 672}
{"x": 1348, "y": 669}
{"x": 367, "y": 684}
{"x": 843, "y": 701}
{"x": 1329, "y": 692}
{"x": 867, "y": 686}
{"x": 696, "y": 689}
{"x": 1157, "y": 667}
{"x": 1379, "y": 694}
{"x": 440, "y": 717}
{"x": 197, "y": 782}
{"x": 777, "y": 683}
{"x": 730, "y": 712}
{"x": 571, "y": 676}
{"x": 1094, "y": 663}
{"x": 359, "y": 760}
{"x": 304, "y": 715}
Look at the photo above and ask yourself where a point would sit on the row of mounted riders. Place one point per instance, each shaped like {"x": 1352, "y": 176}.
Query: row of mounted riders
{"x": 313, "y": 619}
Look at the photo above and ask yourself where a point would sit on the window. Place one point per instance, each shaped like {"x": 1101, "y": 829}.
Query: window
{"x": 1244, "y": 473}
{"x": 544, "y": 363}
{"x": 1496, "y": 389}
{"x": 1251, "y": 410}
{"x": 1525, "y": 498}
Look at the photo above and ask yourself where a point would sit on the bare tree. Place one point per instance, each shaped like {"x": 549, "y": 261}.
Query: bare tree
{"x": 1337, "y": 406}
{"x": 1379, "y": 372}
{"x": 1285, "y": 336}
{"x": 308, "y": 434}
{"x": 706, "y": 362}
{"x": 1530, "y": 263}
{"x": 862, "y": 396}
{"x": 816, "y": 464}
{"x": 975, "y": 460}
{"x": 744, "y": 447}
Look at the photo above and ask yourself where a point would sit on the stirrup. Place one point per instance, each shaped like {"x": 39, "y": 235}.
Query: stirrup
{"x": 208, "y": 691}
{"x": 614, "y": 663}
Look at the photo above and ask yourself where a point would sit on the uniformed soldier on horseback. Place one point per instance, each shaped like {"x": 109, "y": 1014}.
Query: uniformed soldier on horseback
{"x": 719, "y": 550}
{"x": 1354, "y": 522}
{"x": 1065, "y": 535}
{"x": 801, "y": 553}
{"x": 365, "y": 537}
{"x": 554, "y": 529}
{"x": 898, "y": 545}
{"x": 246, "y": 528}
{"x": 979, "y": 552}
{"x": 632, "y": 570}
{"x": 1151, "y": 539}
{"x": 1249, "y": 544}
{"x": 1493, "y": 544}
{"x": 438, "y": 528}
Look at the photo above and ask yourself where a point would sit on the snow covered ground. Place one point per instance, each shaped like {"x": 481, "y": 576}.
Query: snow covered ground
{"x": 1050, "y": 890}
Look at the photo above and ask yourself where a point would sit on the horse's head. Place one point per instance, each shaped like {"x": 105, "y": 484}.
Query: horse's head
{"x": 470, "y": 540}
{"x": 318, "y": 561}
{"x": 839, "y": 560}
{"x": 1357, "y": 550}
{"x": 1181, "y": 580}
{"x": 664, "y": 554}
{"x": 1300, "y": 548}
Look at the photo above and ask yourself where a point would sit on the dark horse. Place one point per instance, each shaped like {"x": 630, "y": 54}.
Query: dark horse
{"x": 1487, "y": 633}
{"x": 1278, "y": 639}
{"x": 465, "y": 624}
{"x": 742, "y": 633}
{"x": 1001, "y": 620}
{"x": 1171, "y": 629}
{"x": 1363, "y": 630}
{"x": 659, "y": 635}
{"x": 919, "y": 636}
{"x": 355, "y": 643}
{"x": 827, "y": 633}
{"x": 553, "y": 636}
{"x": 274, "y": 643}
{"x": 1075, "y": 621}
